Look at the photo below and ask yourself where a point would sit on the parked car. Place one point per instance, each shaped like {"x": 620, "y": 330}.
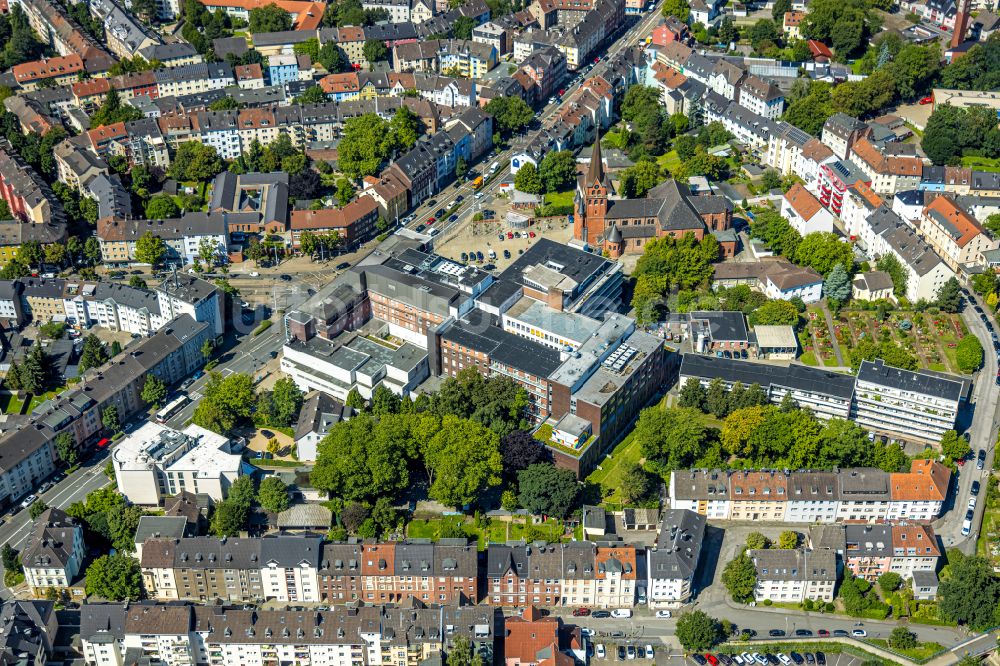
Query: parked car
{"x": 975, "y": 488}
{"x": 343, "y": 266}
{"x": 776, "y": 633}
{"x": 621, "y": 653}
{"x": 621, "y": 613}
{"x": 600, "y": 614}
{"x": 823, "y": 632}
{"x": 927, "y": 100}
{"x": 820, "y": 659}
{"x": 28, "y": 501}
{"x": 662, "y": 613}
{"x": 803, "y": 632}
{"x": 972, "y": 503}
{"x": 698, "y": 659}
{"x": 810, "y": 659}
{"x": 796, "y": 657}
{"x": 859, "y": 633}
{"x": 630, "y": 651}
{"x": 981, "y": 459}
{"x": 581, "y": 612}
{"x": 711, "y": 658}
{"x": 839, "y": 632}
{"x": 599, "y": 651}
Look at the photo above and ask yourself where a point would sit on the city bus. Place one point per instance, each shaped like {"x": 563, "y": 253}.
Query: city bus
{"x": 172, "y": 408}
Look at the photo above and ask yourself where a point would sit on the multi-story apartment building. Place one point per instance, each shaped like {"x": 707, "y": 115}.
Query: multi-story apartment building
{"x": 54, "y": 552}
{"x": 792, "y": 576}
{"x": 155, "y": 461}
{"x": 180, "y": 635}
{"x": 758, "y": 495}
{"x": 761, "y": 97}
{"x": 888, "y": 173}
{"x": 804, "y": 212}
{"x": 813, "y": 497}
{"x": 355, "y": 223}
{"x": 183, "y": 236}
{"x": 884, "y": 232}
{"x": 840, "y": 132}
{"x": 858, "y": 495}
{"x": 28, "y": 196}
{"x": 872, "y": 550}
{"x": 296, "y": 568}
{"x": 569, "y": 574}
{"x": 171, "y": 354}
{"x": 672, "y": 563}
{"x": 954, "y": 234}
{"x": 909, "y": 404}
{"x": 827, "y": 394}
{"x": 59, "y": 71}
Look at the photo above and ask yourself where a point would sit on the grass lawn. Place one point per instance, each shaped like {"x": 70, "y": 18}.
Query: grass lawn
{"x": 982, "y": 163}
{"x": 9, "y": 404}
{"x": 809, "y": 358}
{"x": 608, "y": 474}
{"x": 560, "y": 198}
{"x": 922, "y": 651}
{"x": 669, "y": 160}
{"x": 551, "y": 530}
{"x": 495, "y": 531}
{"x": 830, "y": 362}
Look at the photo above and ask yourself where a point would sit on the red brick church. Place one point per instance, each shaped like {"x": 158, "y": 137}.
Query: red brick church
{"x": 624, "y": 226}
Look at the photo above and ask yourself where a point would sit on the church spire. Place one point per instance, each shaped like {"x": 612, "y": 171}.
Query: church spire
{"x": 595, "y": 174}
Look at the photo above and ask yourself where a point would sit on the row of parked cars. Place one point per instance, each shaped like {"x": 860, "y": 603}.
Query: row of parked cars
{"x": 758, "y": 659}
{"x": 627, "y": 652}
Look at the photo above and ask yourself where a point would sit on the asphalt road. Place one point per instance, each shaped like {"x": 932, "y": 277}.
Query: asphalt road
{"x": 983, "y": 435}
{"x": 248, "y": 357}
{"x": 72, "y": 489}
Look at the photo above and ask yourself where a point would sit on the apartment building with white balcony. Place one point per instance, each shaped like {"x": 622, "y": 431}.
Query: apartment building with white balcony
{"x": 909, "y": 404}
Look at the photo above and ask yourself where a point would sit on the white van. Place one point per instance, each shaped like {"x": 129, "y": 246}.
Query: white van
{"x": 621, "y": 613}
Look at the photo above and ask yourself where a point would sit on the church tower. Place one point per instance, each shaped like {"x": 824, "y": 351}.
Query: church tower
{"x": 591, "y": 205}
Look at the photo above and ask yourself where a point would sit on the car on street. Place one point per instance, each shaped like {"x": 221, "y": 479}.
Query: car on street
{"x": 975, "y": 488}
{"x": 621, "y": 613}
{"x": 967, "y": 526}
{"x": 859, "y": 633}
{"x": 662, "y": 613}
{"x": 803, "y": 632}
{"x": 581, "y": 612}
{"x": 927, "y": 100}
{"x": 28, "y": 501}
{"x": 981, "y": 459}
{"x": 621, "y": 653}
{"x": 103, "y": 442}
{"x": 452, "y": 218}
{"x": 698, "y": 659}
{"x": 726, "y": 659}
{"x": 599, "y": 651}
{"x": 588, "y": 632}
{"x": 839, "y": 632}
{"x": 285, "y": 277}
{"x": 600, "y": 615}
{"x": 823, "y": 632}
{"x": 254, "y": 274}
{"x": 343, "y": 266}
{"x": 710, "y": 658}
{"x": 972, "y": 503}
{"x": 776, "y": 633}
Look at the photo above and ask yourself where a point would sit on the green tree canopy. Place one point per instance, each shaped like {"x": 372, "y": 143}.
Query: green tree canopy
{"x": 227, "y": 403}
{"x": 463, "y": 460}
{"x": 547, "y": 489}
{"x": 269, "y": 18}
{"x": 557, "y": 170}
{"x": 527, "y": 179}
{"x": 114, "y": 578}
{"x": 698, "y": 632}
{"x": 273, "y": 494}
{"x": 740, "y": 578}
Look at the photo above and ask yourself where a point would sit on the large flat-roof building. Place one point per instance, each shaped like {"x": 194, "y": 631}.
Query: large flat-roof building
{"x": 156, "y": 461}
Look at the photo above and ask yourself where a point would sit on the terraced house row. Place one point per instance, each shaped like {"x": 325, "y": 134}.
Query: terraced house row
{"x": 294, "y": 569}
{"x": 861, "y": 495}
{"x": 180, "y": 635}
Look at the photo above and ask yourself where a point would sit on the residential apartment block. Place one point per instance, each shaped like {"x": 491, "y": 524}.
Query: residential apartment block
{"x": 803, "y": 496}
{"x": 568, "y": 574}
{"x": 792, "y": 576}
{"x": 672, "y": 562}
{"x": 54, "y": 553}
{"x": 872, "y": 550}
{"x": 228, "y": 636}
{"x": 172, "y": 353}
{"x": 300, "y": 568}
{"x": 907, "y": 404}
